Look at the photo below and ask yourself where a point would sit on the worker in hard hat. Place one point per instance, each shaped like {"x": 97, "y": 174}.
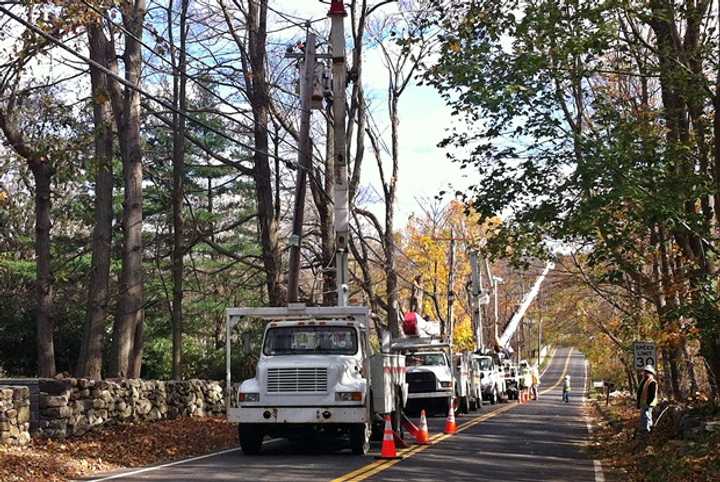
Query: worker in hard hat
{"x": 647, "y": 396}
{"x": 527, "y": 382}
{"x": 535, "y": 382}
{"x": 566, "y": 389}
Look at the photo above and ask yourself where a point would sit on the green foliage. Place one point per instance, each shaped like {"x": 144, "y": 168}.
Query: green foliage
{"x": 216, "y": 196}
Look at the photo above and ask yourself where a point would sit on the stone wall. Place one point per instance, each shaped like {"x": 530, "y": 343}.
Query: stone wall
{"x": 14, "y": 415}
{"x": 71, "y": 407}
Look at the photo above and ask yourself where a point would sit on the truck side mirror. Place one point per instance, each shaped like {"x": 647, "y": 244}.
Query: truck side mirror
{"x": 385, "y": 341}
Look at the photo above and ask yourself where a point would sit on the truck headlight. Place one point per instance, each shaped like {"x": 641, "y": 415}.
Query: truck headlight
{"x": 445, "y": 384}
{"x": 348, "y": 396}
{"x": 248, "y": 397}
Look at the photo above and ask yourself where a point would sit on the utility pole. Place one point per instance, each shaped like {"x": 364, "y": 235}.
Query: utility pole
{"x": 450, "y": 301}
{"x": 479, "y": 298}
{"x": 307, "y": 76}
{"x": 540, "y": 322}
{"x": 337, "y": 16}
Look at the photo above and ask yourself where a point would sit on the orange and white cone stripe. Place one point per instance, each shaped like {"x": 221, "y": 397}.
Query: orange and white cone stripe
{"x": 422, "y": 437}
{"x": 388, "y": 450}
{"x": 450, "y": 426}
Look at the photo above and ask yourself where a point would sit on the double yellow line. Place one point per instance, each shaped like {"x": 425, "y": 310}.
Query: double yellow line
{"x": 378, "y": 466}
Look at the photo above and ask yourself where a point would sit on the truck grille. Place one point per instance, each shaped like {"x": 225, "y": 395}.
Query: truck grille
{"x": 419, "y": 382}
{"x": 296, "y": 380}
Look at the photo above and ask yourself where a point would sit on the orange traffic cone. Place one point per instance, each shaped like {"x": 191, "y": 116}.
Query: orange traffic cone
{"x": 422, "y": 436}
{"x": 388, "y": 450}
{"x": 450, "y": 426}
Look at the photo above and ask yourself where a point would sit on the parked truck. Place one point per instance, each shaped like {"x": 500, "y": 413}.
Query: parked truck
{"x": 429, "y": 373}
{"x": 430, "y": 383}
{"x": 316, "y": 374}
{"x": 467, "y": 382}
{"x": 492, "y": 378}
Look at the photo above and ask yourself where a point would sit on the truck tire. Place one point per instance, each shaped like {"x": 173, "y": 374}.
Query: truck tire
{"x": 464, "y": 405}
{"x": 494, "y": 396}
{"x": 445, "y": 407}
{"x": 251, "y": 438}
{"x": 360, "y": 438}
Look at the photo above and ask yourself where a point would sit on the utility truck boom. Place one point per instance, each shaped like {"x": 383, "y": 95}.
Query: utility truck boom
{"x": 512, "y": 327}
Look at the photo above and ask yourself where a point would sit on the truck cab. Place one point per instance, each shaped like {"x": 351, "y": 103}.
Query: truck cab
{"x": 430, "y": 382}
{"x": 313, "y": 376}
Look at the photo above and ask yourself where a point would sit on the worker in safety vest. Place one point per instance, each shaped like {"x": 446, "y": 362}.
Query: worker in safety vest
{"x": 566, "y": 389}
{"x": 535, "y": 376}
{"x": 647, "y": 396}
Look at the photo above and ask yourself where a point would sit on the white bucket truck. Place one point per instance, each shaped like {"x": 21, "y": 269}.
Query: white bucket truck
{"x": 429, "y": 372}
{"x": 315, "y": 374}
{"x": 492, "y": 377}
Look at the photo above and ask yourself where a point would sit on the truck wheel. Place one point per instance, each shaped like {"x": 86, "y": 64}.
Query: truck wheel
{"x": 464, "y": 406}
{"x": 251, "y": 438}
{"x": 360, "y": 438}
{"x": 494, "y": 397}
{"x": 445, "y": 407}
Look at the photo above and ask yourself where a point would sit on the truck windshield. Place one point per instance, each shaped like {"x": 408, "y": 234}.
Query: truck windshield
{"x": 485, "y": 363}
{"x": 304, "y": 340}
{"x": 425, "y": 359}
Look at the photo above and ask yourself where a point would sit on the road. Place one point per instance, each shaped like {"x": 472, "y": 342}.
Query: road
{"x": 540, "y": 440}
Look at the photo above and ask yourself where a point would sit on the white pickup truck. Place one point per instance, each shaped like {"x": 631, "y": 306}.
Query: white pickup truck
{"x": 315, "y": 374}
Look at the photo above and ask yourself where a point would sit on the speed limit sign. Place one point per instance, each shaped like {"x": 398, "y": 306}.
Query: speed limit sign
{"x": 645, "y": 354}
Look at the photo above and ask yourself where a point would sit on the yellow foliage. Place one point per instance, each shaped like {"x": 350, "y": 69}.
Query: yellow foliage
{"x": 426, "y": 245}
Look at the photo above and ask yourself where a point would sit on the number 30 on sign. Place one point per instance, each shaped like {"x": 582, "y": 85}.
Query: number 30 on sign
{"x": 645, "y": 354}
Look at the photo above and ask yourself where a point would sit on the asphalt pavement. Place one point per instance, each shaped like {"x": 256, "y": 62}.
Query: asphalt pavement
{"x": 538, "y": 441}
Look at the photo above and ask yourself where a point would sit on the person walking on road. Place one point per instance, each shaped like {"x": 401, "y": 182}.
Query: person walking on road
{"x": 647, "y": 398}
{"x": 566, "y": 389}
{"x": 535, "y": 382}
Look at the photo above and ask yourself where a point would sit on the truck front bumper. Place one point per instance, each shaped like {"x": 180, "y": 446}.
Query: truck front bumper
{"x": 424, "y": 395}
{"x": 304, "y": 415}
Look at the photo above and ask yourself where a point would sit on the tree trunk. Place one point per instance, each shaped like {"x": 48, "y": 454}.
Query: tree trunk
{"x": 691, "y": 369}
{"x": 126, "y": 356}
{"x": 391, "y": 280}
{"x": 42, "y": 174}
{"x": 179, "y": 91}
{"x": 260, "y": 102}
{"x": 91, "y": 349}
{"x": 327, "y": 221}
{"x": 710, "y": 345}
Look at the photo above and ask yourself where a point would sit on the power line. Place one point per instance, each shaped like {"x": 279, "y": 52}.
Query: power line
{"x": 192, "y": 79}
{"x": 162, "y": 102}
{"x": 126, "y": 83}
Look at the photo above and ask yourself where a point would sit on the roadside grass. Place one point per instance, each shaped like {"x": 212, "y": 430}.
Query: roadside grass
{"x": 659, "y": 458}
{"x": 121, "y": 446}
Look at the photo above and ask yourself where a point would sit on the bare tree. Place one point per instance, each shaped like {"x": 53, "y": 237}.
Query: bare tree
{"x": 402, "y": 60}
{"x": 91, "y": 349}
{"x": 127, "y": 346}
{"x": 253, "y": 52}
{"x": 178, "y": 252}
